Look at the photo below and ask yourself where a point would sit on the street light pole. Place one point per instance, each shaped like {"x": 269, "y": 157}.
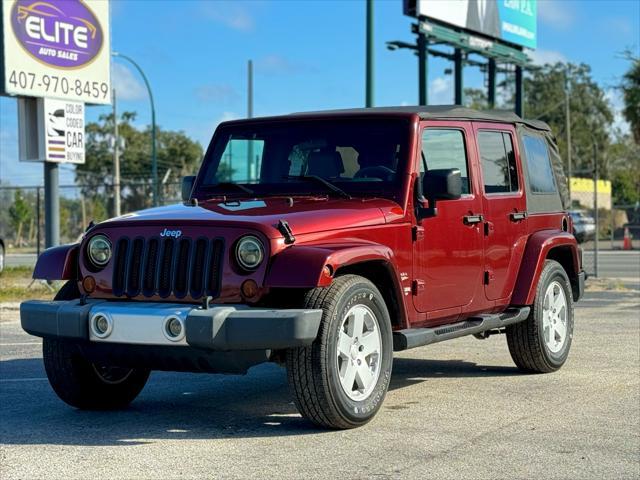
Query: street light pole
{"x": 154, "y": 159}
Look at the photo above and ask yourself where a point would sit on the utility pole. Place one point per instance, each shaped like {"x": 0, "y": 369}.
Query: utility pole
{"x": 595, "y": 208}
{"x": 249, "y": 115}
{"x": 568, "y": 130}
{"x": 116, "y": 159}
{"x": 370, "y": 60}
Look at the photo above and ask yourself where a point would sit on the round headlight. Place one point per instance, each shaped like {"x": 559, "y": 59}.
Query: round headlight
{"x": 249, "y": 253}
{"x": 99, "y": 250}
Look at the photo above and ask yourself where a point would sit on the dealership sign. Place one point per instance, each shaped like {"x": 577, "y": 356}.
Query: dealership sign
{"x": 64, "y": 131}
{"x": 56, "y": 48}
{"x": 513, "y": 21}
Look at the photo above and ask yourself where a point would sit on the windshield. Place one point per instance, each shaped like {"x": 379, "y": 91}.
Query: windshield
{"x": 329, "y": 157}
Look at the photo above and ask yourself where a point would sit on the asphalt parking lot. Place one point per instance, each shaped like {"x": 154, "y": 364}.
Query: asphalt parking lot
{"x": 455, "y": 410}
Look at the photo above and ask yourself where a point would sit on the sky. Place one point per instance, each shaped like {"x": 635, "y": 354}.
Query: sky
{"x": 308, "y": 55}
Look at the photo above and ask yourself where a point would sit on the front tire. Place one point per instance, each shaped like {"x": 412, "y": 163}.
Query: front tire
{"x": 541, "y": 343}
{"x": 340, "y": 381}
{"x": 81, "y": 383}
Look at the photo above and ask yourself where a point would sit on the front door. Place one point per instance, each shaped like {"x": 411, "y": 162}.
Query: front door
{"x": 448, "y": 246}
{"x": 504, "y": 205}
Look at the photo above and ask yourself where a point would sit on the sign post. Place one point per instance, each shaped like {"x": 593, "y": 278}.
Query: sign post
{"x": 55, "y": 56}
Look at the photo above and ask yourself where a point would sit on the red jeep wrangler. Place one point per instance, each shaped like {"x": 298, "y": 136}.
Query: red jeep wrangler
{"x": 324, "y": 241}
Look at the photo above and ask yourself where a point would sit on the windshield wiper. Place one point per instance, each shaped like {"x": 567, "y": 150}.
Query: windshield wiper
{"x": 227, "y": 185}
{"x": 322, "y": 181}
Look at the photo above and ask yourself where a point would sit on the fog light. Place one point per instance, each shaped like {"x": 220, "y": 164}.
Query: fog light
{"x": 249, "y": 289}
{"x": 101, "y": 325}
{"x": 89, "y": 284}
{"x": 174, "y": 329}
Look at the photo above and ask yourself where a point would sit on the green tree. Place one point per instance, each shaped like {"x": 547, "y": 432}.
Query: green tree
{"x": 591, "y": 114}
{"x": 631, "y": 95}
{"x": 175, "y": 152}
{"x": 20, "y": 213}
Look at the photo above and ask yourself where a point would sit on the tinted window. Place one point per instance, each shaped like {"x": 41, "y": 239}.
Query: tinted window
{"x": 241, "y": 160}
{"x": 541, "y": 179}
{"x": 443, "y": 149}
{"x": 498, "y": 162}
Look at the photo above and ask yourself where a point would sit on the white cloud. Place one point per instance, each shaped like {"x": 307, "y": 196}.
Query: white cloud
{"x": 555, "y": 13}
{"x": 542, "y": 57}
{"x": 279, "y": 65}
{"x": 614, "y": 97}
{"x": 127, "y": 85}
{"x": 231, "y": 14}
{"x": 219, "y": 93}
{"x": 441, "y": 91}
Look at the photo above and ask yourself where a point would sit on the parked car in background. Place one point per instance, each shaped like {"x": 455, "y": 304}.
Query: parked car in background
{"x": 584, "y": 226}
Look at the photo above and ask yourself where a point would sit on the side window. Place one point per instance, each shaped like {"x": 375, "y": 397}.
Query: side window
{"x": 541, "y": 179}
{"x": 498, "y": 162}
{"x": 444, "y": 148}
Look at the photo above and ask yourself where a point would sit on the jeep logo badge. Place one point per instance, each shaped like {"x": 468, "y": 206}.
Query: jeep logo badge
{"x": 171, "y": 233}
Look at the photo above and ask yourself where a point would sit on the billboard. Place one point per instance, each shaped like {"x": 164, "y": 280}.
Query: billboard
{"x": 513, "y": 21}
{"x": 56, "y": 49}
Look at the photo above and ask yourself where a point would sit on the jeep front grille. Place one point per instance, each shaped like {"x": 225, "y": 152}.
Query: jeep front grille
{"x": 167, "y": 267}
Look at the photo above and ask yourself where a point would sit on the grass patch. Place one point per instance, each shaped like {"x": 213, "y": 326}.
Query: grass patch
{"x": 16, "y": 285}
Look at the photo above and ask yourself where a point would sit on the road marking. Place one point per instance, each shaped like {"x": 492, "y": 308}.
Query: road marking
{"x": 34, "y": 379}
{"x": 19, "y": 343}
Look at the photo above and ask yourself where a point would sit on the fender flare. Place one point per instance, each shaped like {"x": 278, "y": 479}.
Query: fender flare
{"x": 537, "y": 250}
{"x": 304, "y": 266}
{"x": 58, "y": 263}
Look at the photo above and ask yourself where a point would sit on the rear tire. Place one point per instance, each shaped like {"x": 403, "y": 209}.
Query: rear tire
{"x": 340, "y": 381}
{"x": 541, "y": 343}
{"x": 81, "y": 383}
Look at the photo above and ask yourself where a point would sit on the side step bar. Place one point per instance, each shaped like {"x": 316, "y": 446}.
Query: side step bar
{"x": 418, "y": 337}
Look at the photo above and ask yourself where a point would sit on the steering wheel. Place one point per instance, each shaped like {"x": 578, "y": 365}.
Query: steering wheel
{"x": 378, "y": 171}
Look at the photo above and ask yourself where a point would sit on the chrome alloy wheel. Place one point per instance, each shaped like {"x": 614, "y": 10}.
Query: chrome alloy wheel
{"x": 358, "y": 352}
{"x": 554, "y": 317}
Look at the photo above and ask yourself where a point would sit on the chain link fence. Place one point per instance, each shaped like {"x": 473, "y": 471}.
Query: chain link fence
{"x": 22, "y": 210}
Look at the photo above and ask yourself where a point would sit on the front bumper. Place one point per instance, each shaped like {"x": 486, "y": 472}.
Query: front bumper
{"x": 138, "y": 336}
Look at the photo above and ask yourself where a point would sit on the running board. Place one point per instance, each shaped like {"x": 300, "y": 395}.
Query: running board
{"x": 418, "y": 337}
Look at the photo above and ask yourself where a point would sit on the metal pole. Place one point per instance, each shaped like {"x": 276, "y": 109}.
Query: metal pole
{"x": 568, "y": 130}
{"x": 595, "y": 209}
{"x": 38, "y": 221}
{"x": 519, "y": 107}
{"x": 51, "y": 205}
{"x": 423, "y": 68}
{"x": 249, "y": 115}
{"x": 459, "y": 84}
{"x": 116, "y": 159}
{"x": 154, "y": 160}
{"x": 491, "y": 93}
{"x": 370, "y": 59}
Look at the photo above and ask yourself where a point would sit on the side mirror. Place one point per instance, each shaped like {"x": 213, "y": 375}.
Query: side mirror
{"x": 187, "y": 187}
{"x": 442, "y": 184}
{"x": 437, "y": 184}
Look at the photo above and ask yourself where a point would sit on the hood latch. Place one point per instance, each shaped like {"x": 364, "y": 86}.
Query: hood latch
{"x": 285, "y": 230}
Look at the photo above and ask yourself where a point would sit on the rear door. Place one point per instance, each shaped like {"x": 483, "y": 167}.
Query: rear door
{"x": 504, "y": 206}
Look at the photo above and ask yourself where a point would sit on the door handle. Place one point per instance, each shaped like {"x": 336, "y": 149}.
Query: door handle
{"x": 471, "y": 219}
{"x": 517, "y": 216}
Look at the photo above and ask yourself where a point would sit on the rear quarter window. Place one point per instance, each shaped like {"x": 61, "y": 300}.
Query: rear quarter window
{"x": 541, "y": 178}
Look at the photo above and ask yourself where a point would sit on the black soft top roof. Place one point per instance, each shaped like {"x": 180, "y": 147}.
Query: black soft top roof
{"x": 438, "y": 112}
